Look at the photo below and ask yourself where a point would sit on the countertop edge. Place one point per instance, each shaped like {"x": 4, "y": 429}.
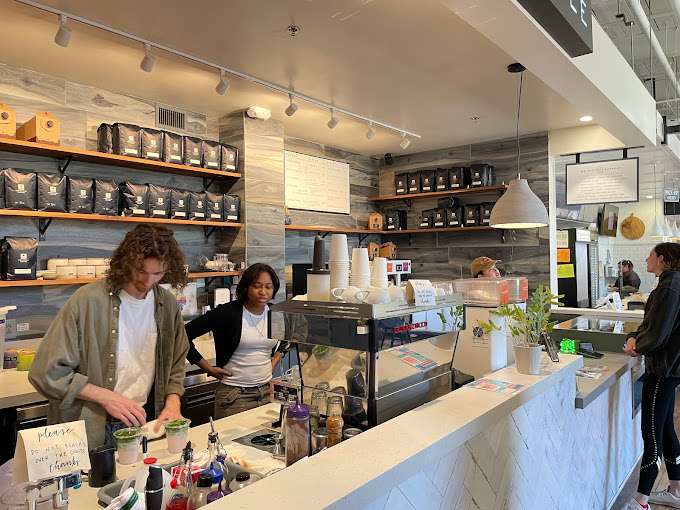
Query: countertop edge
{"x": 402, "y": 446}
{"x": 584, "y": 400}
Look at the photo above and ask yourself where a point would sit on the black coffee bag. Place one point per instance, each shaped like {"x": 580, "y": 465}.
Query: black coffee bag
{"x": 173, "y": 148}
{"x": 211, "y": 154}
{"x": 106, "y": 197}
{"x": 126, "y": 139}
{"x": 80, "y": 195}
{"x": 193, "y": 151}
{"x": 20, "y": 189}
{"x": 179, "y": 204}
{"x": 51, "y": 192}
{"x": 134, "y": 199}
{"x": 229, "y": 158}
{"x": 159, "y": 201}
{"x": 214, "y": 203}
{"x": 196, "y": 205}
{"x": 105, "y": 138}
{"x": 151, "y": 143}
{"x": 232, "y": 208}
{"x": 19, "y": 258}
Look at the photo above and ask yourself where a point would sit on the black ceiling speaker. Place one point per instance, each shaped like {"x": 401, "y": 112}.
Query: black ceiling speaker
{"x": 388, "y": 158}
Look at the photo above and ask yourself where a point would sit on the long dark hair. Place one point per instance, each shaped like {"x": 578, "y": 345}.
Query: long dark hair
{"x": 250, "y": 276}
{"x": 670, "y": 253}
{"x": 143, "y": 242}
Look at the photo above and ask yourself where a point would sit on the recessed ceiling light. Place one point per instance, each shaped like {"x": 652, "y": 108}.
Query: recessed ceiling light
{"x": 586, "y": 118}
{"x": 475, "y": 118}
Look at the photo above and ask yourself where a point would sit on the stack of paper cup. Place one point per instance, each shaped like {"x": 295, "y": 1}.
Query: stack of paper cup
{"x": 361, "y": 271}
{"x": 379, "y": 273}
{"x": 338, "y": 262}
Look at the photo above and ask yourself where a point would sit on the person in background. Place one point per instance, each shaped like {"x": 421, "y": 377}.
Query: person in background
{"x": 115, "y": 353}
{"x": 484, "y": 267}
{"x": 245, "y": 352}
{"x": 658, "y": 340}
{"x": 629, "y": 280}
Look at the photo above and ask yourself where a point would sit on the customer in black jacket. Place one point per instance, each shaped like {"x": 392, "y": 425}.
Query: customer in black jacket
{"x": 245, "y": 352}
{"x": 658, "y": 340}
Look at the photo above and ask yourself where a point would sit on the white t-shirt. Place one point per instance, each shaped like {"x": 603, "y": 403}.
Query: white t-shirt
{"x": 137, "y": 335}
{"x": 251, "y": 363}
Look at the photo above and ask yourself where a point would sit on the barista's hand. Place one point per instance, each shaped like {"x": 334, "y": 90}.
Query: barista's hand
{"x": 126, "y": 410}
{"x": 629, "y": 347}
{"x": 218, "y": 372}
{"x": 170, "y": 412}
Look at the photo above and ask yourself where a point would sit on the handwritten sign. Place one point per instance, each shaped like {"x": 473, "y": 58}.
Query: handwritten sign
{"x": 316, "y": 184}
{"x": 46, "y": 452}
{"x": 421, "y": 292}
{"x": 602, "y": 182}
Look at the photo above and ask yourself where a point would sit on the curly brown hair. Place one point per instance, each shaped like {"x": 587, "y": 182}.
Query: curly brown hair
{"x": 143, "y": 242}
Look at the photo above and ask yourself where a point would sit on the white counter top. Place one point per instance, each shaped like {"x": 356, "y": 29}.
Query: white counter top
{"x": 15, "y": 390}
{"x": 353, "y": 467}
{"x": 589, "y": 389}
{"x": 600, "y": 313}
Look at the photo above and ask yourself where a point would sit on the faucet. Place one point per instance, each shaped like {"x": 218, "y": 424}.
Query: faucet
{"x": 60, "y": 497}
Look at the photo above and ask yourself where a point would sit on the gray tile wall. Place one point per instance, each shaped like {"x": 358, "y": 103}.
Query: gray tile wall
{"x": 448, "y": 255}
{"x": 81, "y": 109}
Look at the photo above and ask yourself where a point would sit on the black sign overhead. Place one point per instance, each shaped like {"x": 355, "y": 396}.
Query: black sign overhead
{"x": 569, "y": 22}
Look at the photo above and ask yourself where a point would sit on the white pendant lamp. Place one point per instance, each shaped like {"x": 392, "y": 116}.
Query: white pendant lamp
{"x": 519, "y": 207}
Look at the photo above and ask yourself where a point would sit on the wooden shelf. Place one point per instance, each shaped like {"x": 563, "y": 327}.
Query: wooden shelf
{"x": 436, "y": 230}
{"x": 120, "y": 219}
{"x": 102, "y": 158}
{"x": 83, "y": 281}
{"x": 434, "y": 194}
{"x": 332, "y": 230}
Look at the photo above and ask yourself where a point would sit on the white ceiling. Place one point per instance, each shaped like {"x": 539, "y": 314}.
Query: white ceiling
{"x": 415, "y": 65}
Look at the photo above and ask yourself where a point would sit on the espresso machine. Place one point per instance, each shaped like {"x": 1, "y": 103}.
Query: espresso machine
{"x": 382, "y": 359}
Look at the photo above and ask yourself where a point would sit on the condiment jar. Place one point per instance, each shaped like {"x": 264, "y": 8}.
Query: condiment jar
{"x": 319, "y": 440}
{"x": 199, "y": 496}
{"x": 242, "y": 479}
{"x": 297, "y": 433}
{"x": 334, "y": 422}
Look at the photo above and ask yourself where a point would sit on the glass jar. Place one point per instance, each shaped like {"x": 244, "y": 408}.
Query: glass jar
{"x": 199, "y": 496}
{"x": 319, "y": 440}
{"x": 314, "y": 418}
{"x": 319, "y": 400}
{"x": 297, "y": 433}
{"x": 334, "y": 421}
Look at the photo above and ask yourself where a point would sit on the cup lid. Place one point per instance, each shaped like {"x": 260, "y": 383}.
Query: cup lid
{"x": 297, "y": 410}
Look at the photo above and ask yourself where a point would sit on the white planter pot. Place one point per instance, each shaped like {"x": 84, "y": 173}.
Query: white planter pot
{"x": 528, "y": 359}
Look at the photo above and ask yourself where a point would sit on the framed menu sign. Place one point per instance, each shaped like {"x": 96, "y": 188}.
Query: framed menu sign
{"x": 602, "y": 182}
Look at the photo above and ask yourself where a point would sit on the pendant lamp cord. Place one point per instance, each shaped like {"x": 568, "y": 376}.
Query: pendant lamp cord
{"x": 519, "y": 112}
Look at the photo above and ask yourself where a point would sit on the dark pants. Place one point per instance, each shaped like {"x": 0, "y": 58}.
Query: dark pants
{"x": 658, "y": 431}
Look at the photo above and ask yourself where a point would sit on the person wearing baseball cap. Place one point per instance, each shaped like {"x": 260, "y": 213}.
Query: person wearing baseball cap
{"x": 484, "y": 267}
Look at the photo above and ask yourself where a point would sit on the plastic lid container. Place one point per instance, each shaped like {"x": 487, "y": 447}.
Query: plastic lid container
{"x": 483, "y": 291}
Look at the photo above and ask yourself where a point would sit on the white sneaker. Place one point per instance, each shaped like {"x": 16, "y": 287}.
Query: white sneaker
{"x": 664, "y": 497}
{"x": 634, "y": 505}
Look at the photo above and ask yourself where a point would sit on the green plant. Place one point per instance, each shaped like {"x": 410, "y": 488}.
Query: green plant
{"x": 528, "y": 325}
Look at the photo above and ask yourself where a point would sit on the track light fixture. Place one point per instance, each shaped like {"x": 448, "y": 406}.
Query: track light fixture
{"x": 371, "y": 132}
{"x": 405, "y": 142}
{"x": 148, "y": 61}
{"x": 63, "y": 35}
{"x": 222, "y": 85}
{"x": 333, "y": 120}
{"x": 292, "y": 107}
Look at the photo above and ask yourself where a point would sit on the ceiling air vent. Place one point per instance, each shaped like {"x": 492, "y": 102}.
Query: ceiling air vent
{"x": 169, "y": 118}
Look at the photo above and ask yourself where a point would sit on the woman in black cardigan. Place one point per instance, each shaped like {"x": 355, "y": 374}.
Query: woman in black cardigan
{"x": 245, "y": 353}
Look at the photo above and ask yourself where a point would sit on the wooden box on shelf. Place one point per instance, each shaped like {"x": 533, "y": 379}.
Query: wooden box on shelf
{"x": 43, "y": 128}
{"x": 375, "y": 221}
{"x": 8, "y": 121}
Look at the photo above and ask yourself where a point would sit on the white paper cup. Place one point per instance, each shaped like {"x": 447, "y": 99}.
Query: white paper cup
{"x": 318, "y": 286}
{"x": 64, "y": 272}
{"x": 52, "y": 264}
{"x": 339, "y": 250}
{"x": 360, "y": 264}
{"x": 86, "y": 271}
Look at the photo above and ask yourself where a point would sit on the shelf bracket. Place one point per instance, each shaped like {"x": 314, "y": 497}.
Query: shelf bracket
{"x": 43, "y": 225}
{"x": 502, "y": 234}
{"x": 323, "y": 234}
{"x": 407, "y": 201}
{"x": 410, "y": 240}
{"x": 62, "y": 168}
{"x": 207, "y": 183}
{"x": 208, "y": 231}
{"x": 363, "y": 237}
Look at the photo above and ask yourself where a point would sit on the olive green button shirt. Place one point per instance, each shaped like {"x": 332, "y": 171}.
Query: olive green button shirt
{"x": 80, "y": 347}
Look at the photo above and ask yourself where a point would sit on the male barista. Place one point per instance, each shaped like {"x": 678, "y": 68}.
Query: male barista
{"x": 114, "y": 355}
{"x": 484, "y": 267}
{"x": 628, "y": 279}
